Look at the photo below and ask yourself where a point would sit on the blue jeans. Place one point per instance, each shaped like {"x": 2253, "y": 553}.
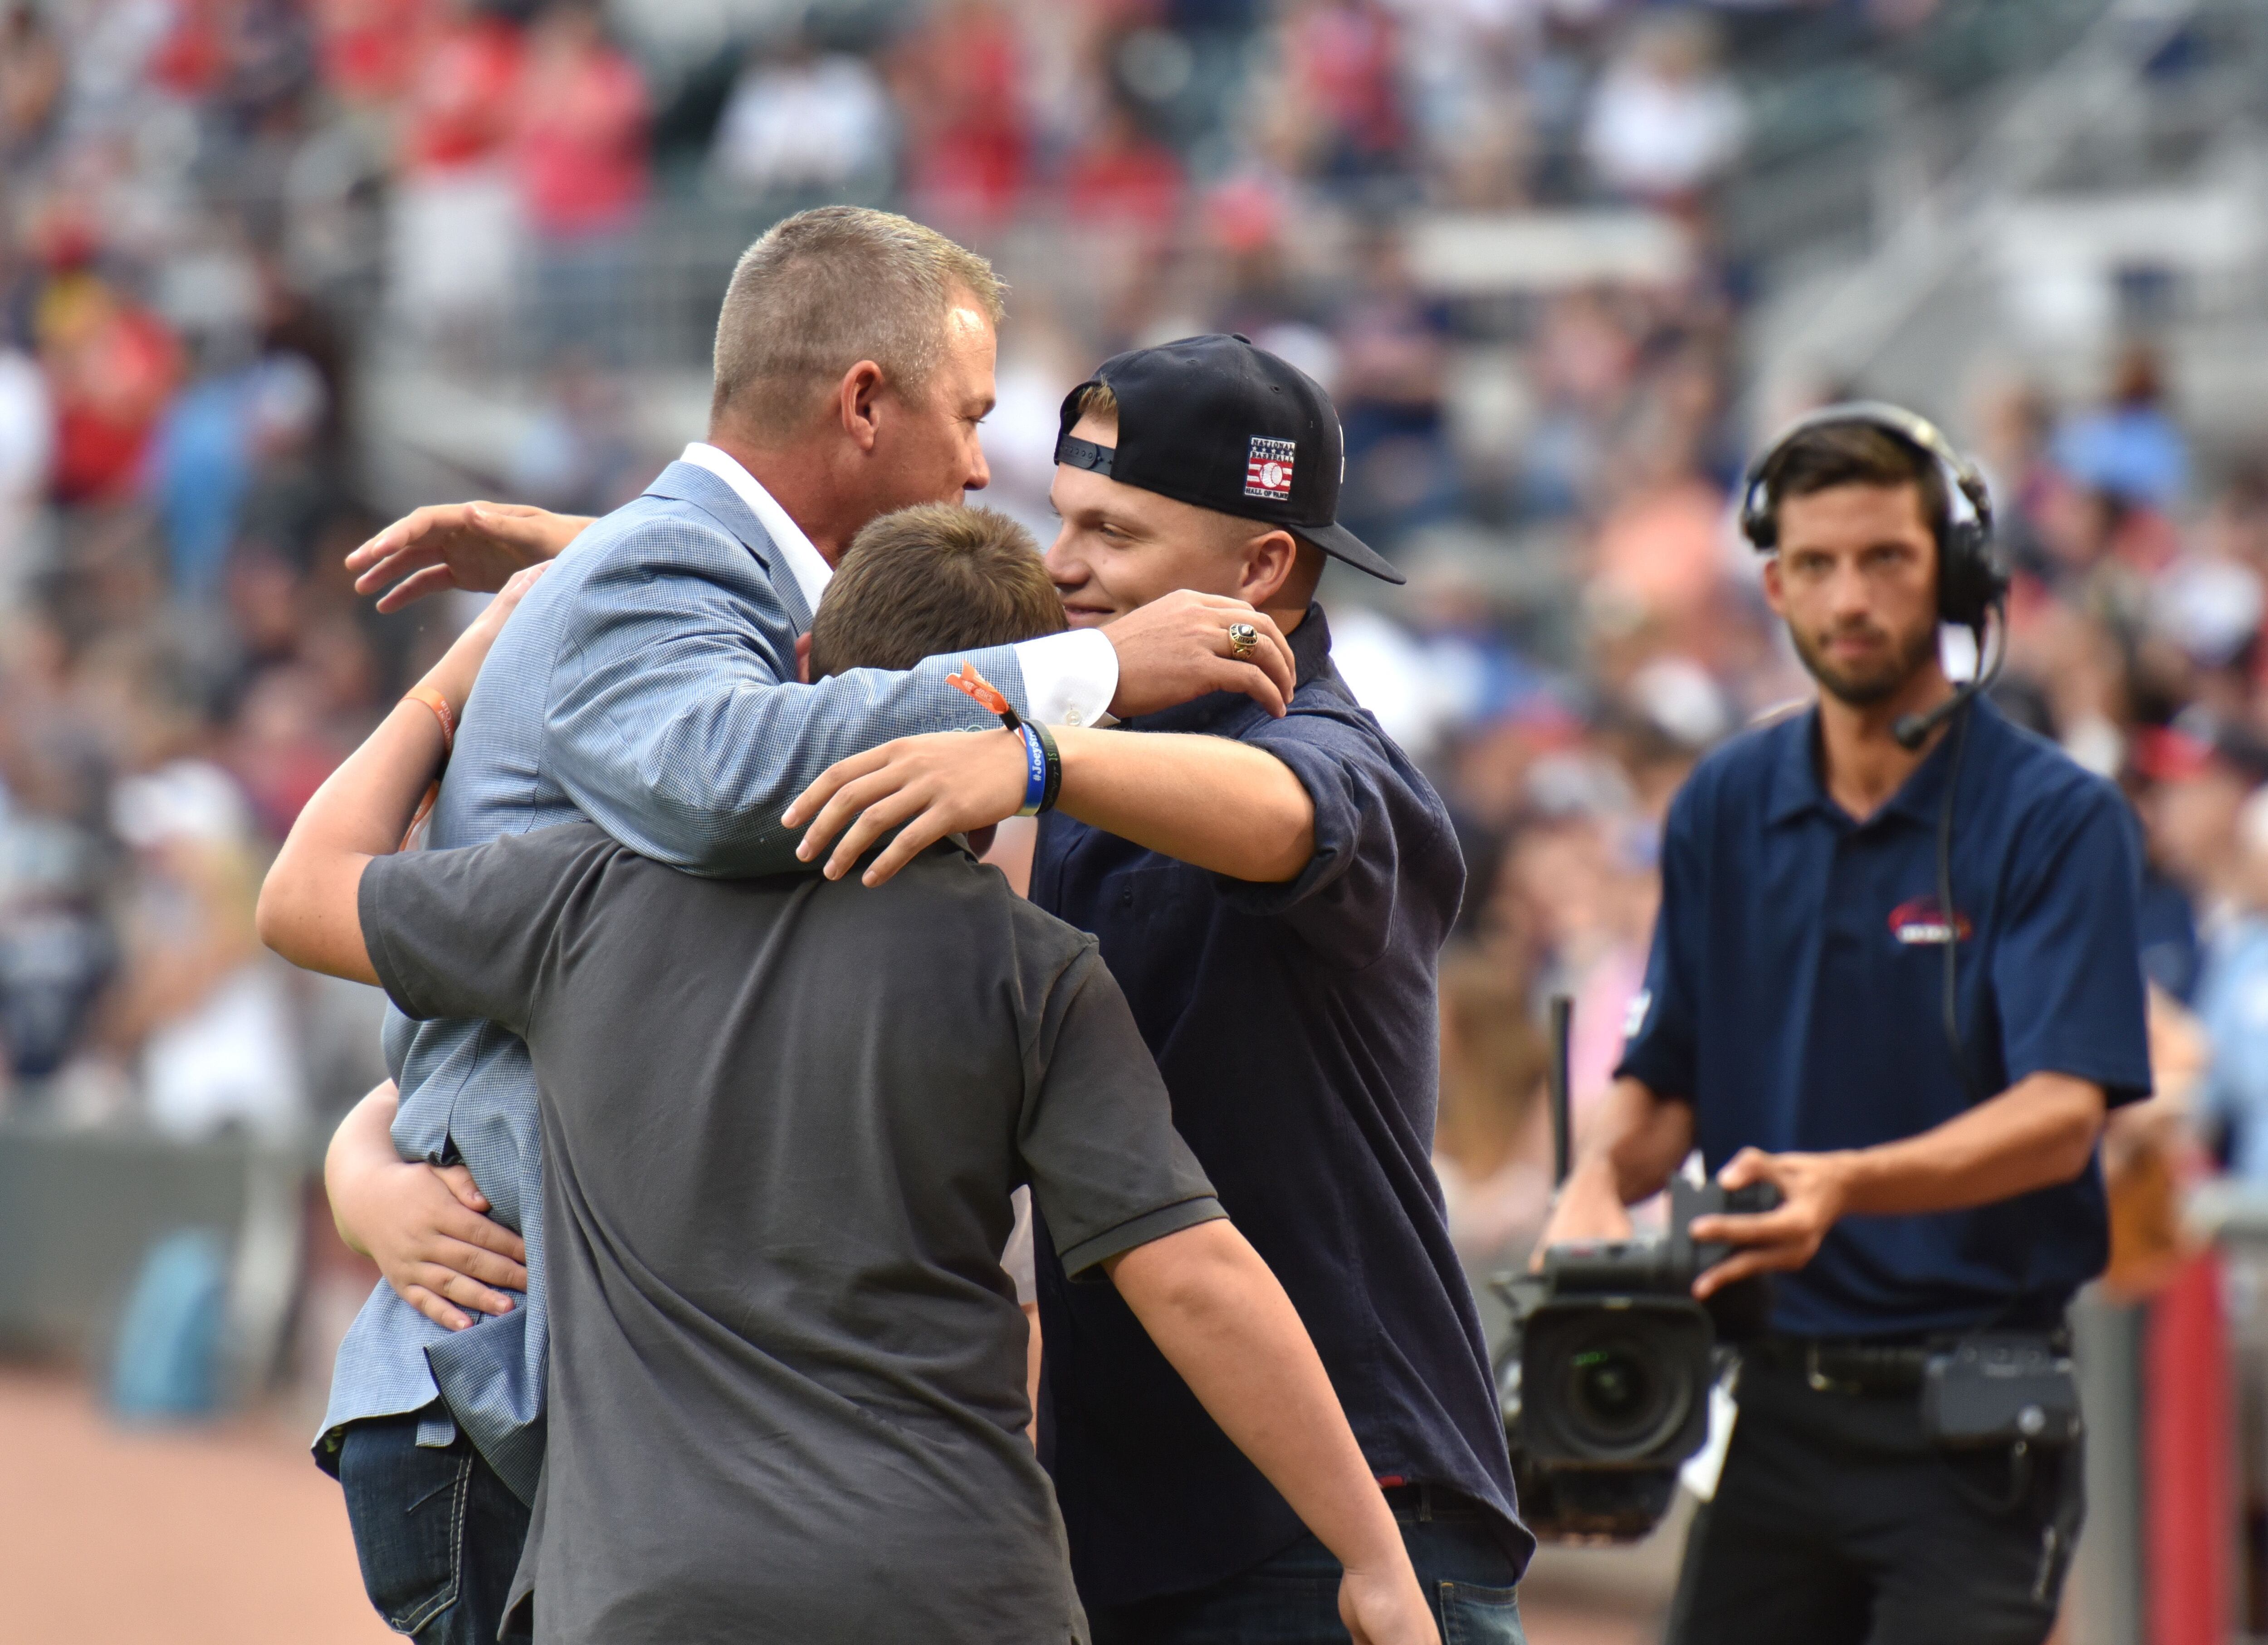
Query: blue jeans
{"x": 438, "y": 1534}
{"x": 1292, "y": 1599}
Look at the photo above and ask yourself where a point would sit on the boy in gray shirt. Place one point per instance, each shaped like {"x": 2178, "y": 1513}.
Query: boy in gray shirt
{"x": 782, "y": 1119}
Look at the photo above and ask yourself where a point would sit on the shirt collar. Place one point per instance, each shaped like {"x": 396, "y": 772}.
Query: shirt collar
{"x": 811, "y": 569}
{"x": 1796, "y": 788}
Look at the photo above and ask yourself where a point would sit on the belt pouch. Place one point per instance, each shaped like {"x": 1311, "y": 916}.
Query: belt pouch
{"x": 2000, "y": 1388}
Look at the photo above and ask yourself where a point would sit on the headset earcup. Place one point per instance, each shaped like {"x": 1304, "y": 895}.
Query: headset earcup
{"x": 1968, "y": 581}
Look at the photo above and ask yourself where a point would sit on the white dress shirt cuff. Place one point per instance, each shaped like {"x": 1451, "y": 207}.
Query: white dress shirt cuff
{"x": 1069, "y": 678}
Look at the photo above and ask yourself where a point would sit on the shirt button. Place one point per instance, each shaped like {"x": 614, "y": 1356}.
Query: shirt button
{"x": 1072, "y": 717}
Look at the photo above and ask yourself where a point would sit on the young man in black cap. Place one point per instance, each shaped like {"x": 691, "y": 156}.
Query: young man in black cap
{"x": 1272, "y": 894}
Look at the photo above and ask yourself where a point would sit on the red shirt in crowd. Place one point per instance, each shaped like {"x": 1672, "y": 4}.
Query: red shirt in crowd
{"x": 580, "y": 143}
{"x": 460, "y": 97}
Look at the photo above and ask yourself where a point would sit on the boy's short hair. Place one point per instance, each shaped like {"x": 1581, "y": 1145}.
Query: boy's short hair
{"x": 930, "y": 580}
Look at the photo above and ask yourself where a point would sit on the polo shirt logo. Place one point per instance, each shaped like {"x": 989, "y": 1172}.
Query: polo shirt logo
{"x": 1919, "y": 921}
{"x": 1268, "y": 470}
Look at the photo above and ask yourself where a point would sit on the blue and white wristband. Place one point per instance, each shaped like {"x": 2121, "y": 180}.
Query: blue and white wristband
{"x": 1043, "y": 769}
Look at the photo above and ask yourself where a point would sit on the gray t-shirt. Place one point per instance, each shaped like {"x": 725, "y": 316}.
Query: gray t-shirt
{"x": 782, "y": 1119}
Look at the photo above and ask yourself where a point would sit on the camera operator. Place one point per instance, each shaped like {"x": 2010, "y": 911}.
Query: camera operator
{"x": 1929, "y": 1118}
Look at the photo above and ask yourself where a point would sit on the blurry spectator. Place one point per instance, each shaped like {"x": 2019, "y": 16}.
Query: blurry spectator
{"x": 291, "y": 492}
{"x": 1663, "y": 550}
{"x": 803, "y": 120}
{"x": 111, "y": 366}
{"x": 454, "y": 209}
{"x": 1665, "y": 122}
{"x": 26, "y": 453}
{"x": 1391, "y": 350}
{"x": 223, "y": 438}
{"x": 2132, "y": 447}
{"x": 205, "y": 1010}
{"x": 578, "y": 456}
{"x": 281, "y": 749}
{"x": 31, "y": 80}
{"x": 579, "y": 140}
{"x": 960, "y": 85}
{"x": 2233, "y": 1004}
{"x": 580, "y": 149}
{"x": 1343, "y": 62}
{"x": 1492, "y": 1139}
{"x": 2198, "y": 782}
{"x": 369, "y": 50}
{"x": 1123, "y": 177}
{"x": 1583, "y": 868}
{"x": 57, "y": 950}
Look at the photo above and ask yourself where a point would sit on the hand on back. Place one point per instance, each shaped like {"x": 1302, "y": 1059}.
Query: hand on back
{"x": 473, "y": 546}
{"x": 948, "y": 782}
{"x": 1178, "y": 647}
{"x": 427, "y": 1229}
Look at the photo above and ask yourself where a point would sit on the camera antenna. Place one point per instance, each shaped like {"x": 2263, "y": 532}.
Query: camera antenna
{"x": 1563, "y": 1018}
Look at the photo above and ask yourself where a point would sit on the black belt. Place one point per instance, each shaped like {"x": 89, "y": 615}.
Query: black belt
{"x": 1848, "y": 1365}
{"x": 1866, "y": 1365}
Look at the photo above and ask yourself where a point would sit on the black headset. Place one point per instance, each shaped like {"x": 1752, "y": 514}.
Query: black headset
{"x": 1971, "y": 582}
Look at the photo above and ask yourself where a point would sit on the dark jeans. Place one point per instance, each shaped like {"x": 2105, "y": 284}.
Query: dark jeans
{"x": 1838, "y": 1521}
{"x": 1293, "y": 1599}
{"x": 438, "y": 1533}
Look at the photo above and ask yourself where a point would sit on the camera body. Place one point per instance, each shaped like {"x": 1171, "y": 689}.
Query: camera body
{"x": 1604, "y": 1383}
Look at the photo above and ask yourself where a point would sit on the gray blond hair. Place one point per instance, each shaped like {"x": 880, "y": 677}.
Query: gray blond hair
{"x": 826, "y": 289}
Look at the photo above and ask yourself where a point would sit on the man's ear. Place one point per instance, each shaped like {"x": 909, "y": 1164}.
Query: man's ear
{"x": 1268, "y": 562}
{"x": 854, "y": 402}
{"x": 803, "y": 656}
{"x": 1775, "y": 595}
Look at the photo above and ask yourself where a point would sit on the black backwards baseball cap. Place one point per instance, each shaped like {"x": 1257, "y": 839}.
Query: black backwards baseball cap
{"x": 1216, "y": 422}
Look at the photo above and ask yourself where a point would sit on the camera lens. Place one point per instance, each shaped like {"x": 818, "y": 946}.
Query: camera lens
{"x": 1613, "y": 1388}
{"x": 1622, "y": 1401}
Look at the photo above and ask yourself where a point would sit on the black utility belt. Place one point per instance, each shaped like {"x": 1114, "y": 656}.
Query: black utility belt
{"x": 1986, "y": 1387}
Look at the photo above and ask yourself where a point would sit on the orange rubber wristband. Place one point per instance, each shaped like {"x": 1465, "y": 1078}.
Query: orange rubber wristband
{"x": 439, "y": 704}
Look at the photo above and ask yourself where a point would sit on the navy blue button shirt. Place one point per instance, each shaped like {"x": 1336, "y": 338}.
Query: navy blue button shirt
{"x": 1794, "y": 999}
{"x": 1295, "y": 1026}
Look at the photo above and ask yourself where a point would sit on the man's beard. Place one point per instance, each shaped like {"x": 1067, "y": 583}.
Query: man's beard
{"x": 1863, "y": 687}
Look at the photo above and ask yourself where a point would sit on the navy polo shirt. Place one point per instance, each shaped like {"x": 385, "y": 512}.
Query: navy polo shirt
{"x": 1795, "y": 999}
{"x": 1295, "y": 1026}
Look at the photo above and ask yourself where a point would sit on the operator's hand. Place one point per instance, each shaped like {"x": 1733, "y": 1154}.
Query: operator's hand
{"x": 946, "y": 782}
{"x": 460, "y": 665}
{"x": 1386, "y": 1608}
{"x": 1813, "y": 1187}
{"x": 1588, "y": 1209}
{"x": 1176, "y": 649}
{"x": 427, "y": 1228}
{"x": 474, "y": 546}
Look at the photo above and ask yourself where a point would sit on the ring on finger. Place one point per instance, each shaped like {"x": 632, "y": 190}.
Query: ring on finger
{"x": 1243, "y": 638}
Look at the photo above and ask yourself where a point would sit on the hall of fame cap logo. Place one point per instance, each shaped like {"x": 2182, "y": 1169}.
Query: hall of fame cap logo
{"x": 1268, "y": 470}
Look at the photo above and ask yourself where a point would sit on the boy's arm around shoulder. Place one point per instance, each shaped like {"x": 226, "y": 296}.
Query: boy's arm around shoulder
{"x": 1213, "y": 801}
{"x": 674, "y": 717}
{"x": 309, "y": 908}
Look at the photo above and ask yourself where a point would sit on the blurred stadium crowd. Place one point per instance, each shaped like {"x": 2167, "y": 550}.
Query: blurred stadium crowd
{"x": 224, "y": 218}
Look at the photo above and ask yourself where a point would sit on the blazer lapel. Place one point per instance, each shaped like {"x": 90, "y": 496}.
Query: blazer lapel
{"x": 689, "y": 482}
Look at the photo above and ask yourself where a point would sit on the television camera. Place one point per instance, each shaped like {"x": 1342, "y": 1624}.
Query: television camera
{"x": 1604, "y": 1381}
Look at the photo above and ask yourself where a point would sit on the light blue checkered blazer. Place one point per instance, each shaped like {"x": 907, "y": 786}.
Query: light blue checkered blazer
{"x": 647, "y": 683}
